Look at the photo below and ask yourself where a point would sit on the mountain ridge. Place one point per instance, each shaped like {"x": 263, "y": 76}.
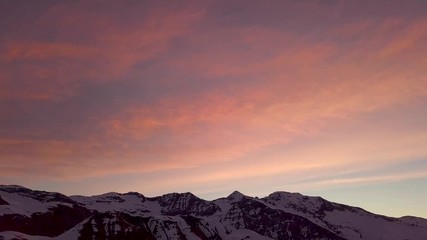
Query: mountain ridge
{"x": 32, "y": 214}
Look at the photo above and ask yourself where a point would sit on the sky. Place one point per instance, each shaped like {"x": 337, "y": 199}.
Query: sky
{"x": 326, "y": 98}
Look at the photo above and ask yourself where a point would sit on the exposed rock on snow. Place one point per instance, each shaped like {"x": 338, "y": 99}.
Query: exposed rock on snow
{"x": 39, "y": 215}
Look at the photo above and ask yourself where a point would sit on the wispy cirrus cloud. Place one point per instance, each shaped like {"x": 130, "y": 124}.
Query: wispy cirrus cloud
{"x": 211, "y": 92}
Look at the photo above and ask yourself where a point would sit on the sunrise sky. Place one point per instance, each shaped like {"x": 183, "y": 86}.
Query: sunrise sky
{"x": 324, "y": 98}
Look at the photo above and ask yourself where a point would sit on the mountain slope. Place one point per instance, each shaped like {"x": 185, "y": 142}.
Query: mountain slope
{"x": 38, "y": 212}
{"x": 29, "y": 214}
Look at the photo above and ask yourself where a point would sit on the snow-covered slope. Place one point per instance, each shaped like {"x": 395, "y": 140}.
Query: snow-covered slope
{"x": 27, "y": 202}
{"x": 28, "y": 214}
{"x": 349, "y": 222}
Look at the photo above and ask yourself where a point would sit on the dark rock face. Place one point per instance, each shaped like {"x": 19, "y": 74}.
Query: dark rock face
{"x": 41, "y": 196}
{"x": 52, "y": 223}
{"x": 183, "y": 216}
{"x": 201, "y": 230}
{"x": 115, "y": 226}
{"x": 275, "y": 224}
{"x": 3, "y": 202}
{"x": 185, "y": 204}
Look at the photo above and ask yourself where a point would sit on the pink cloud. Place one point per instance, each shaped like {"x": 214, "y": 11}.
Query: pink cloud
{"x": 270, "y": 88}
{"x": 110, "y": 49}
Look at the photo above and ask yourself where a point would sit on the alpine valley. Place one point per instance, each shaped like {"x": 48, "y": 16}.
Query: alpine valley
{"x": 40, "y": 215}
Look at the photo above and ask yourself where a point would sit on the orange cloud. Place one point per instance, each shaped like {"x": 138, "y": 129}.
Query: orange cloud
{"x": 112, "y": 50}
{"x": 247, "y": 90}
{"x": 412, "y": 36}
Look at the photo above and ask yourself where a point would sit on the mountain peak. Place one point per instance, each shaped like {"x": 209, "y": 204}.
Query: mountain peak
{"x": 174, "y": 196}
{"x": 281, "y": 215}
{"x": 135, "y": 194}
{"x": 185, "y": 203}
{"x": 236, "y": 196}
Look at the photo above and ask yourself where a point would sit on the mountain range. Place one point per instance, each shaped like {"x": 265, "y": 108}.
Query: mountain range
{"x": 40, "y": 215}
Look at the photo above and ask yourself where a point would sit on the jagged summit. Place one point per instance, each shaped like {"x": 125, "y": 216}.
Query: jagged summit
{"x": 280, "y": 215}
{"x": 178, "y": 195}
{"x": 135, "y": 194}
{"x": 283, "y": 194}
{"x": 185, "y": 203}
{"x": 236, "y": 196}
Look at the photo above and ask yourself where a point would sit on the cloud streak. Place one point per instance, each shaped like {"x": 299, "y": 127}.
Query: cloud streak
{"x": 211, "y": 92}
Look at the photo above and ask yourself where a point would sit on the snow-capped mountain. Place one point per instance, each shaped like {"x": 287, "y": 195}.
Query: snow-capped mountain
{"x": 29, "y": 214}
